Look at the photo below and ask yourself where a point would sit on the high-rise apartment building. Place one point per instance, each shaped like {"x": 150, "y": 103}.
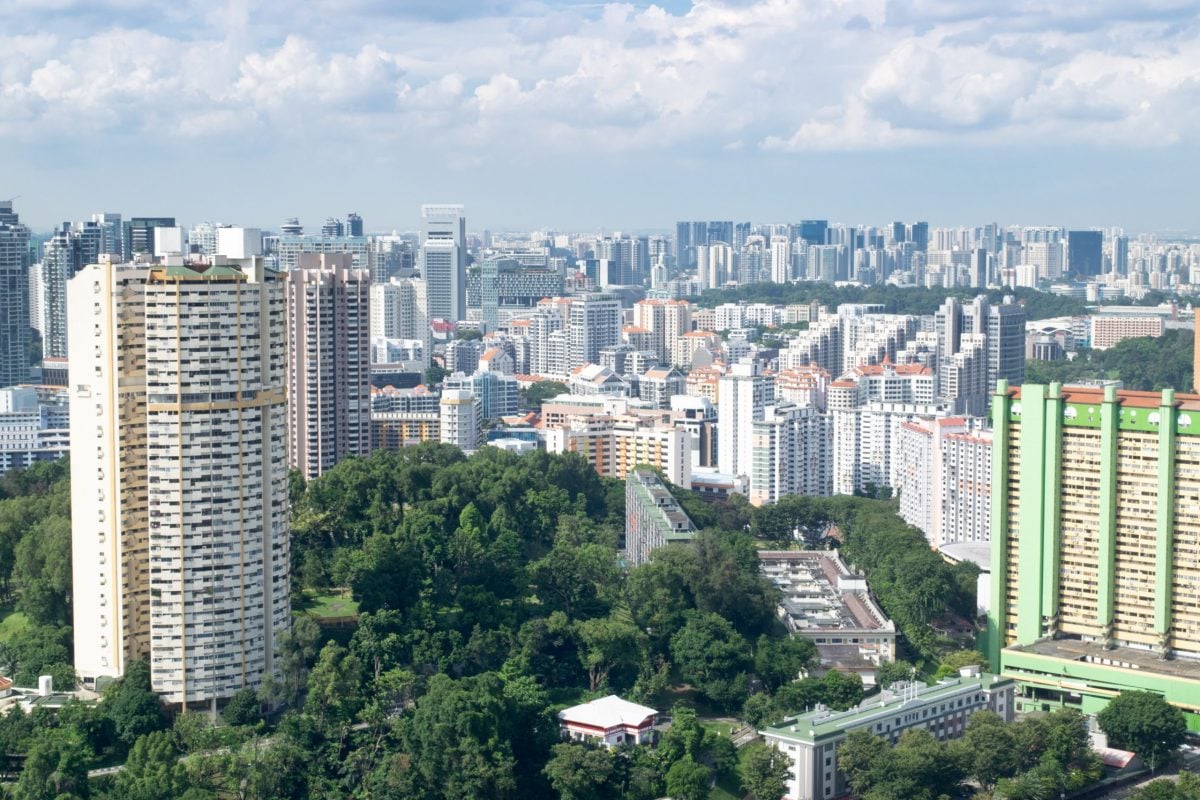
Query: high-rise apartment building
{"x": 868, "y": 406}
{"x": 742, "y": 395}
{"x": 400, "y": 310}
{"x": 443, "y": 260}
{"x": 33, "y": 426}
{"x": 944, "y": 469}
{"x": 14, "y": 297}
{"x": 666, "y": 320}
{"x": 70, "y": 249}
{"x": 593, "y": 323}
{"x": 179, "y": 481}
{"x": 461, "y": 418}
{"x": 1096, "y": 545}
{"x": 781, "y": 259}
{"x": 791, "y": 453}
{"x": 288, "y": 248}
{"x": 329, "y": 385}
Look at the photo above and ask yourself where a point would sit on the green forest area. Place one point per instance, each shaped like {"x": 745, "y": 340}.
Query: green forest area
{"x": 446, "y": 609}
{"x": 1144, "y": 363}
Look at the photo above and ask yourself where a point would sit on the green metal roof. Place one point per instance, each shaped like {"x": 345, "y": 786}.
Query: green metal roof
{"x": 822, "y": 724}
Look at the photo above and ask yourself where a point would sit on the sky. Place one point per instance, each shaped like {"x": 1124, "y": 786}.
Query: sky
{"x": 603, "y": 116}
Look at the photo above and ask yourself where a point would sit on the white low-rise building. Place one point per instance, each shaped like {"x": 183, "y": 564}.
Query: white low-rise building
{"x": 609, "y": 721}
{"x": 826, "y": 603}
{"x": 811, "y": 741}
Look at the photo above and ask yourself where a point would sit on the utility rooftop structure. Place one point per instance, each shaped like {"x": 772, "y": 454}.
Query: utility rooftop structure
{"x": 811, "y": 741}
{"x": 824, "y": 602}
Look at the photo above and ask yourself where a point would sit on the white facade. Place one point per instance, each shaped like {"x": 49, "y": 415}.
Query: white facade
{"x": 868, "y": 407}
{"x": 781, "y": 259}
{"x": 239, "y": 242}
{"x": 33, "y": 426}
{"x": 461, "y": 419}
{"x": 742, "y": 396}
{"x": 443, "y": 260}
{"x": 593, "y": 323}
{"x": 400, "y": 310}
{"x": 791, "y": 447}
{"x": 811, "y": 741}
{"x": 179, "y": 490}
{"x": 608, "y": 721}
{"x": 944, "y": 479}
{"x": 170, "y": 240}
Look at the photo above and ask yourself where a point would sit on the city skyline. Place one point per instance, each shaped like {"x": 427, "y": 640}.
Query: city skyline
{"x": 768, "y": 110}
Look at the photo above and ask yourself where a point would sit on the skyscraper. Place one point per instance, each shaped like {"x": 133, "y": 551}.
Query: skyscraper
{"x": 1094, "y": 545}
{"x": 14, "y": 297}
{"x": 812, "y": 231}
{"x": 1085, "y": 253}
{"x": 443, "y": 258}
{"x": 920, "y": 235}
{"x": 781, "y": 259}
{"x": 792, "y": 453}
{"x": 112, "y": 233}
{"x": 70, "y": 249}
{"x": 139, "y": 234}
{"x": 179, "y": 482}
{"x": 354, "y": 224}
{"x": 400, "y": 310}
{"x": 329, "y": 386}
{"x": 1006, "y": 341}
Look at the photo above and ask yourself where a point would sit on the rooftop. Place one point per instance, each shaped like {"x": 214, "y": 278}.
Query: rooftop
{"x": 978, "y": 552}
{"x": 607, "y": 712}
{"x": 820, "y": 592}
{"x": 1123, "y": 657}
{"x": 823, "y": 722}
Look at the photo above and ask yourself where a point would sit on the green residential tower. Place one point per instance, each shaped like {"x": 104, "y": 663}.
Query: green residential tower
{"x": 1096, "y": 545}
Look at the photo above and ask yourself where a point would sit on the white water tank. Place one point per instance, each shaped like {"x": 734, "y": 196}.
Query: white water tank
{"x": 45, "y": 685}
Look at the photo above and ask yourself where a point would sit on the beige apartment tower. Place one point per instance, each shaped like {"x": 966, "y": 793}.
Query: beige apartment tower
{"x": 179, "y": 474}
{"x": 329, "y": 364}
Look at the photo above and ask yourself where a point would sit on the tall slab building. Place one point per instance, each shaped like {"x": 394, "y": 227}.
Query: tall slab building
{"x": 443, "y": 260}
{"x": 179, "y": 476}
{"x": 1096, "y": 545}
{"x": 14, "y": 297}
{"x": 328, "y": 371}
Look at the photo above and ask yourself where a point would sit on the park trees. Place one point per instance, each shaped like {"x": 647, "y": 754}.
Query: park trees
{"x": 1146, "y": 724}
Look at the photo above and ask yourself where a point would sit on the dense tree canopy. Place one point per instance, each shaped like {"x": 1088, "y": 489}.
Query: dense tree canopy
{"x": 490, "y": 594}
{"x": 1144, "y": 363}
{"x": 1145, "y": 723}
{"x": 542, "y": 391}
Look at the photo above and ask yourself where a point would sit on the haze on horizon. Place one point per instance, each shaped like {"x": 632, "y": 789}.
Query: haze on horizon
{"x": 613, "y": 115}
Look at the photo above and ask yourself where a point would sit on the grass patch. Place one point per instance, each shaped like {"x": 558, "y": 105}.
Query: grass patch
{"x": 330, "y": 605}
{"x": 12, "y": 624}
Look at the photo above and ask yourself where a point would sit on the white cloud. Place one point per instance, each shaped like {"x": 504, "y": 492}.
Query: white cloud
{"x": 790, "y": 75}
